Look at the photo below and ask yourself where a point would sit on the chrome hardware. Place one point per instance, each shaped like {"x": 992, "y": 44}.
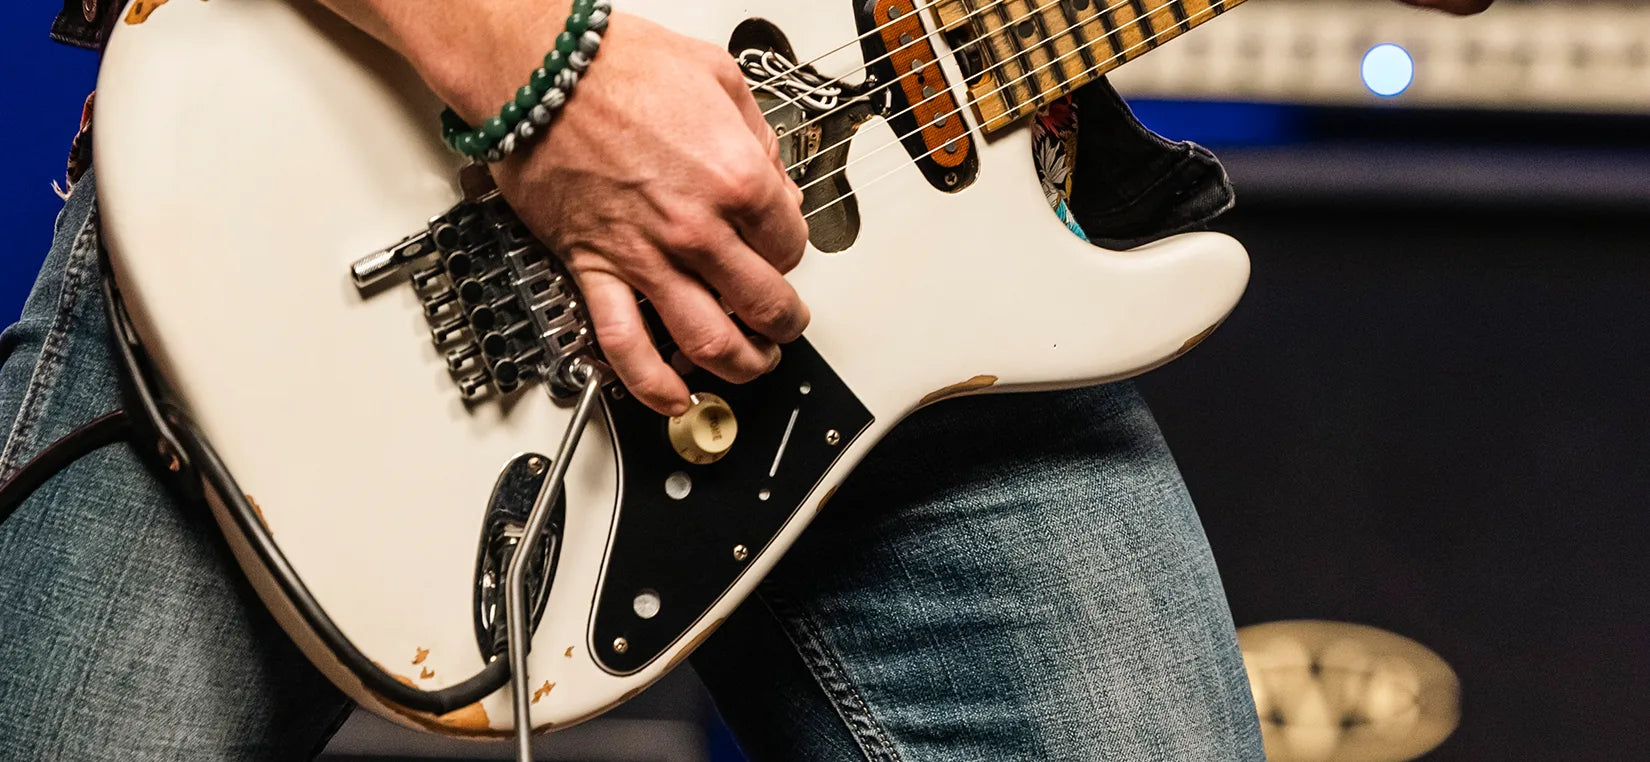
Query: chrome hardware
{"x": 499, "y": 305}
{"x": 587, "y": 377}
{"x": 437, "y": 302}
{"x": 740, "y": 553}
{"x": 474, "y": 385}
{"x": 379, "y": 265}
{"x": 422, "y": 279}
{"x": 458, "y": 358}
{"x": 502, "y": 528}
{"x": 443, "y": 332}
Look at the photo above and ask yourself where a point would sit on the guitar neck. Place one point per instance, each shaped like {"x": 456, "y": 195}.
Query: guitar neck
{"x": 1032, "y": 52}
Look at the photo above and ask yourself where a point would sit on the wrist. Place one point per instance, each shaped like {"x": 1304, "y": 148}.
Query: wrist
{"x": 473, "y": 55}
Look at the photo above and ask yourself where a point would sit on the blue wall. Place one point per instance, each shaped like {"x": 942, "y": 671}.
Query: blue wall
{"x": 42, "y": 85}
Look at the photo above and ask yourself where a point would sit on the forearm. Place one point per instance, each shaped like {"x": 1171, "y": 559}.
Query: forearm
{"x": 472, "y": 53}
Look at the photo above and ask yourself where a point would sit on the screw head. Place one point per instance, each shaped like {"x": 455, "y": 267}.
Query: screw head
{"x": 620, "y": 645}
{"x": 833, "y": 438}
{"x": 741, "y": 552}
{"x": 536, "y": 464}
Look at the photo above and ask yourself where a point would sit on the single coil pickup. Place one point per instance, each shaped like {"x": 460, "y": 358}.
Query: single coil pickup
{"x": 922, "y": 105}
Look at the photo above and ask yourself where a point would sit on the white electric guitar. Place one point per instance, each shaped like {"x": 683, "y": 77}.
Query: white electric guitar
{"x": 254, "y": 158}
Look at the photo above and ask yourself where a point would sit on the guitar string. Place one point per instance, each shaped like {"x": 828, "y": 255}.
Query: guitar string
{"x": 833, "y": 51}
{"x": 928, "y": 38}
{"x": 1122, "y": 56}
{"x": 1004, "y": 86}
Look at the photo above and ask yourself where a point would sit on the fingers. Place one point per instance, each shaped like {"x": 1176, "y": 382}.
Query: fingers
{"x": 756, "y": 292}
{"x": 706, "y": 335}
{"x": 1458, "y": 7}
{"x": 769, "y": 218}
{"x": 738, "y": 90}
{"x": 627, "y": 346}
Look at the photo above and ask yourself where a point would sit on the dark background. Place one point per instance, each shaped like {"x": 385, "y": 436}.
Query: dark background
{"x": 1428, "y": 414}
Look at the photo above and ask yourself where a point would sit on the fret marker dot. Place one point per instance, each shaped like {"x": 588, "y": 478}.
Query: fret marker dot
{"x": 1388, "y": 70}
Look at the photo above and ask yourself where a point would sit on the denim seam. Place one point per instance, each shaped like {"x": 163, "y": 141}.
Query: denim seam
{"x": 827, "y": 671}
{"x": 53, "y": 349}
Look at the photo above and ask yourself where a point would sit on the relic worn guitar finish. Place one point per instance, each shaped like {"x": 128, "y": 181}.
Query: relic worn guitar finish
{"x": 253, "y": 155}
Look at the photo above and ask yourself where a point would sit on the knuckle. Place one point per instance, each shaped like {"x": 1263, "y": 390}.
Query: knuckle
{"x": 712, "y": 348}
{"x": 621, "y": 340}
{"x": 688, "y": 238}
{"x": 774, "y": 317}
{"x": 738, "y": 183}
{"x": 724, "y": 66}
{"x": 788, "y": 259}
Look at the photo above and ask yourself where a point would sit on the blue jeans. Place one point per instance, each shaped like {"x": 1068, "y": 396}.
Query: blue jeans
{"x": 1014, "y": 577}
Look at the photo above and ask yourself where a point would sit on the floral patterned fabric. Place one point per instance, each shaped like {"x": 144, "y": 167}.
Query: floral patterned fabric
{"x": 1054, "y": 148}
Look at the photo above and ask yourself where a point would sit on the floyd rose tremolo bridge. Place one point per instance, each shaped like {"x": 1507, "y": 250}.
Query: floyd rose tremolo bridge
{"x": 502, "y": 310}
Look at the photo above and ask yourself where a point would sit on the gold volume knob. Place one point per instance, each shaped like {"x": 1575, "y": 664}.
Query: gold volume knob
{"x": 706, "y": 431}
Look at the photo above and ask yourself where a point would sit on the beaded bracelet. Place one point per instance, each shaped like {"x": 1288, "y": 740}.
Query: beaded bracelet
{"x": 545, "y": 92}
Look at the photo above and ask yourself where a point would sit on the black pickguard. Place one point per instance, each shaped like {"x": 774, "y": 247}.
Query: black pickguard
{"x": 684, "y": 549}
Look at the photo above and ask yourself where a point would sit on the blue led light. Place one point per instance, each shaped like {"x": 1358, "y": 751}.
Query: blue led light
{"x": 1388, "y": 70}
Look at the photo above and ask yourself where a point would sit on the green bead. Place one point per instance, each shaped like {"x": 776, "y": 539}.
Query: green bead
{"x": 495, "y": 128}
{"x": 451, "y": 122}
{"x": 470, "y": 144}
{"x": 526, "y": 98}
{"x": 554, "y": 62}
{"x": 511, "y": 114}
{"x": 542, "y": 81}
{"x": 584, "y": 6}
{"x": 577, "y": 23}
{"x": 566, "y": 43}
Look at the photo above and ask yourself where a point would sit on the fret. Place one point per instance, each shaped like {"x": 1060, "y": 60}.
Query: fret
{"x": 1021, "y": 76}
{"x": 1113, "y": 39}
{"x": 1044, "y": 71}
{"x": 1179, "y": 11}
{"x": 1130, "y": 33}
{"x": 1076, "y": 35}
{"x": 994, "y": 94}
{"x": 1058, "y": 50}
{"x": 1004, "y": 31}
{"x": 1148, "y": 30}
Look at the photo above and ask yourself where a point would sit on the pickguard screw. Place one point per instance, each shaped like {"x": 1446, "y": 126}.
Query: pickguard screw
{"x": 536, "y": 464}
{"x": 741, "y": 552}
{"x": 620, "y": 645}
{"x": 951, "y": 179}
{"x": 832, "y": 438}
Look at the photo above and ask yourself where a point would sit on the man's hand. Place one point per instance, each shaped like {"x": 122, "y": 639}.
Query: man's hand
{"x": 1459, "y": 7}
{"x": 660, "y": 175}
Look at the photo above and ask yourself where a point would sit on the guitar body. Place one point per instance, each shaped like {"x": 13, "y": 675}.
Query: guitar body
{"x": 249, "y": 150}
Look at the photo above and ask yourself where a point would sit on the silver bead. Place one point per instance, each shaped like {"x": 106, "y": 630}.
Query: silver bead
{"x": 576, "y": 62}
{"x": 554, "y": 98}
{"x": 598, "y": 20}
{"x": 507, "y": 144}
{"x": 603, "y": 6}
{"x": 525, "y": 129}
{"x": 590, "y": 42}
{"x": 567, "y": 79}
{"x": 540, "y": 115}
{"x": 493, "y": 155}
